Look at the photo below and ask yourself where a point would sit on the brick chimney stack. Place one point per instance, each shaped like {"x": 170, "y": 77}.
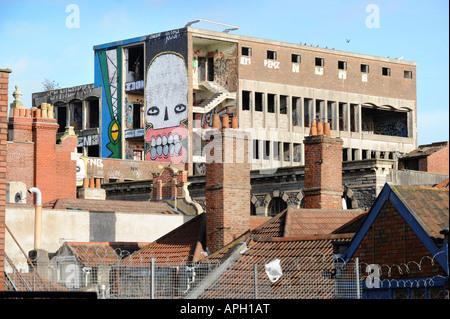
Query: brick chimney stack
{"x": 35, "y": 158}
{"x": 323, "y": 169}
{"x": 227, "y": 184}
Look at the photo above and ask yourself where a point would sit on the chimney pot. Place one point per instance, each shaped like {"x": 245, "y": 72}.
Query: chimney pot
{"x": 319, "y": 128}
{"x": 234, "y": 122}
{"x": 225, "y": 121}
{"x": 216, "y": 121}
{"x": 326, "y": 129}
{"x": 313, "y": 129}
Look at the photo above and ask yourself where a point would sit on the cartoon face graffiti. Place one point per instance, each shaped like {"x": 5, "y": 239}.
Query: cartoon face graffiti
{"x": 166, "y": 108}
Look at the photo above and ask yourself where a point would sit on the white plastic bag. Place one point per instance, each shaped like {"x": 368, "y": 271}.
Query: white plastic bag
{"x": 273, "y": 270}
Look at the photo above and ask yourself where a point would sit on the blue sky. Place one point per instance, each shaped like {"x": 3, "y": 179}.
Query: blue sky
{"x": 36, "y": 42}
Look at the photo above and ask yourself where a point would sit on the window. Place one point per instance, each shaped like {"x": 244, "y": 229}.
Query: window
{"x": 271, "y": 103}
{"x": 295, "y": 58}
{"x": 319, "y": 62}
{"x": 266, "y": 154}
{"x": 246, "y": 51}
{"x": 276, "y": 150}
{"x": 245, "y": 100}
{"x": 271, "y": 55}
{"x": 386, "y": 71}
{"x": 255, "y": 149}
{"x": 283, "y": 104}
{"x": 297, "y": 152}
{"x": 342, "y": 65}
{"x": 258, "y": 101}
{"x": 286, "y": 152}
{"x": 276, "y": 206}
{"x": 364, "y": 68}
{"x": 407, "y": 74}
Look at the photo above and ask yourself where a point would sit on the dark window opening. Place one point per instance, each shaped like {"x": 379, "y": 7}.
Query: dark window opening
{"x": 62, "y": 117}
{"x": 245, "y": 100}
{"x": 271, "y": 103}
{"x": 384, "y": 122}
{"x": 135, "y": 63}
{"x": 283, "y": 104}
{"x": 276, "y": 206}
{"x": 255, "y": 149}
{"x": 258, "y": 102}
{"x": 266, "y": 150}
{"x": 252, "y": 209}
{"x": 271, "y": 55}
{"x": 386, "y": 71}
{"x": 286, "y": 152}
{"x": 319, "y": 62}
{"x": 93, "y": 151}
{"x": 246, "y": 51}
{"x": 93, "y": 115}
{"x": 76, "y": 115}
{"x": 342, "y": 65}
{"x": 407, "y": 74}
{"x": 345, "y": 154}
{"x": 295, "y": 58}
{"x": 211, "y": 69}
{"x": 297, "y": 153}
{"x": 342, "y": 117}
{"x": 364, "y": 68}
{"x": 276, "y": 151}
{"x": 136, "y": 115}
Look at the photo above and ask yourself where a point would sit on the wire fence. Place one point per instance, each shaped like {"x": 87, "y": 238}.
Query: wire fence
{"x": 115, "y": 275}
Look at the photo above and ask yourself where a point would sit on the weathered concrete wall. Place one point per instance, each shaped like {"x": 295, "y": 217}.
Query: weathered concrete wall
{"x": 408, "y": 177}
{"x": 82, "y": 226}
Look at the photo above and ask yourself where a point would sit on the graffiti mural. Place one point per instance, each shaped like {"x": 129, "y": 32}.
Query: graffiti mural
{"x": 109, "y": 76}
{"x": 166, "y": 100}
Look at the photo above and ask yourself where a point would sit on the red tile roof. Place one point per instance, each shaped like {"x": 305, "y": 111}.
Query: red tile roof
{"x": 306, "y": 262}
{"x": 430, "y": 205}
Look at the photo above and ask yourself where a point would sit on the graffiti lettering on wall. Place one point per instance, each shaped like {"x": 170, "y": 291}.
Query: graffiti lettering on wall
{"x": 109, "y": 76}
{"x": 272, "y": 64}
{"x": 392, "y": 127}
{"x": 166, "y": 108}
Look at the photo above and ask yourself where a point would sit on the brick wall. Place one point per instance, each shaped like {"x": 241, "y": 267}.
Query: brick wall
{"x": 35, "y": 158}
{"x": 4, "y": 81}
{"x": 437, "y": 162}
{"x": 227, "y": 189}
{"x": 323, "y": 172}
{"x": 281, "y": 70}
{"x": 168, "y": 184}
{"x": 390, "y": 241}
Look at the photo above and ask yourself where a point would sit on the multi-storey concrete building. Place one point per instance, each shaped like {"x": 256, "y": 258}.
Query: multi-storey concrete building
{"x": 159, "y": 90}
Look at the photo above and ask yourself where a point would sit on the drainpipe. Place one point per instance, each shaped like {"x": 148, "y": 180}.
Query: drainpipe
{"x": 37, "y": 217}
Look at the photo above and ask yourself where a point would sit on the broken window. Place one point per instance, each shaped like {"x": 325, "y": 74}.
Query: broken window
{"x": 295, "y": 58}
{"x": 61, "y": 116}
{"x": 384, "y": 122}
{"x": 246, "y": 100}
{"x": 76, "y": 112}
{"x": 286, "y": 152}
{"x": 319, "y": 62}
{"x": 246, "y": 51}
{"x": 283, "y": 104}
{"x": 407, "y": 74}
{"x": 134, "y": 60}
{"x": 364, "y": 68}
{"x": 255, "y": 149}
{"x": 342, "y": 65}
{"x": 386, "y": 71}
{"x": 296, "y": 111}
{"x": 354, "y": 118}
{"x": 92, "y": 115}
{"x": 266, "y": 150}
{"x": 306, "y": 112}
{"x": 271, "y": 55}
{"x": 331, "y": 109}
{"x": 259, "y": 100}
{"x": 342, "y": 116}
{"x": 271, "y": 103}
{"x": 297, "y": 152}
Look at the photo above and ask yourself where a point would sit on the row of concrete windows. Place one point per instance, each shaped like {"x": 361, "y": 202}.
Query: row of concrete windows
{"x": 342, "y": 116}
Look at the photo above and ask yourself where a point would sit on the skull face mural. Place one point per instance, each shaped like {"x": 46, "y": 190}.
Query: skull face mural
{"x": 166, "y": 109}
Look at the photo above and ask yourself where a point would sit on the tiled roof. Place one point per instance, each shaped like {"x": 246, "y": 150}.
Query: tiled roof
{"x": 303, "y": 260}
{"x": 426, "y": 150}
{"x": 101, "y": 253}
{"x": 97, "y": 205}
{"x": 175, "y": 248}
{"x": 430, "y": 205}
{"x": 443, "y": 184}
{"x": 30, "y": 282}
{"x": 301, "y": 222}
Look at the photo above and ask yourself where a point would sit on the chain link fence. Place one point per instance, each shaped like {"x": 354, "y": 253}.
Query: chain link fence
{"x": 116, "y": 276}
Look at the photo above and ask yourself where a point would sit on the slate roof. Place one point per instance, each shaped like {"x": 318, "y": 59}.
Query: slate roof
{"x": 430, "y": 206}
{"x": 97, "y": 205}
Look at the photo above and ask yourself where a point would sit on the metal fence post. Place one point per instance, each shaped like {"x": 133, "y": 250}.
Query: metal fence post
{"x": 358, "y": 293}
{"x": 255, "y": 274}
{"x": 153, "y": 279}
